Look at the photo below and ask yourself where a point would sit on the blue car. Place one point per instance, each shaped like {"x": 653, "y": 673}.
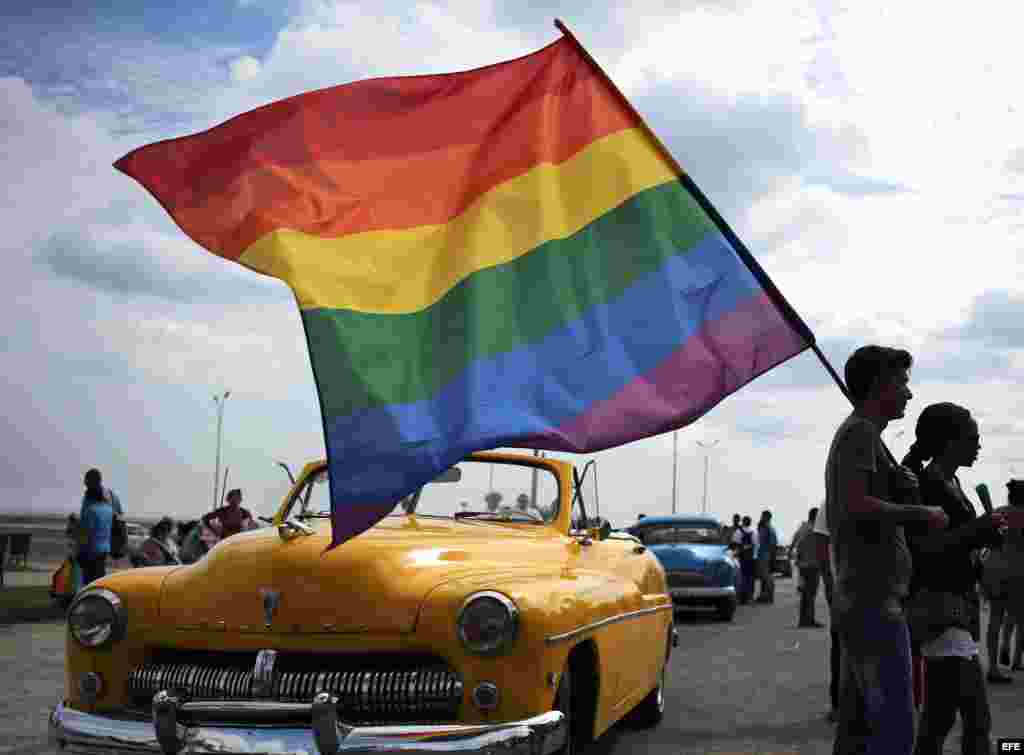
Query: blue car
{"x": 700, "y": 567}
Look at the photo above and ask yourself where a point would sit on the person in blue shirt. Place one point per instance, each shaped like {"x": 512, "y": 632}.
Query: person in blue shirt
{"x": 745, "y": 540}
{"x": 767, "y": 542}
{"x": 95, "y": 521}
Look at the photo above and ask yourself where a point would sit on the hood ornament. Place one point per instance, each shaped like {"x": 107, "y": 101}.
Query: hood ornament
{"x": 271, "y": 600}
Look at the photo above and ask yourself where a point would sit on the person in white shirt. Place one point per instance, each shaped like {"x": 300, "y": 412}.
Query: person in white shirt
{"x": 806, "y": 549}
{"x": 820, "y": 534}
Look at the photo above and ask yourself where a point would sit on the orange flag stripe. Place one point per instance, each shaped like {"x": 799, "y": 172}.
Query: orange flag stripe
{"x": 379, "y": 154}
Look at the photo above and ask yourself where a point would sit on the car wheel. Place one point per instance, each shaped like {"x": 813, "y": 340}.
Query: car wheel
{"x": 727, "y": 609}
{"x": 563, "y": 704}
{"x": 651, "y": 709}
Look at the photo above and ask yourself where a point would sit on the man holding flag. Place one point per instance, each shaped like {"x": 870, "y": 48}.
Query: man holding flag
{"x": 864, "y": 489}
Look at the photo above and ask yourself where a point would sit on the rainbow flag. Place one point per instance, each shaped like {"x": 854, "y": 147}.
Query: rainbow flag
{"x": 501, "y": 257}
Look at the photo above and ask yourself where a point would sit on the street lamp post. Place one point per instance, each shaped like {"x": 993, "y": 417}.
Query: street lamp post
{"x": 707, "y": 449}
{"x": 675, "y": 466}
{"x": 219, "y": 401}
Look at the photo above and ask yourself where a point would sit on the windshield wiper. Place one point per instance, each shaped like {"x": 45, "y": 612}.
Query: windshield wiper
{"x": 499, "y": 516}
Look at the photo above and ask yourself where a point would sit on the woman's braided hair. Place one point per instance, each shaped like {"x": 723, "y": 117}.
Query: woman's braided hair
{"x": 937, "y": 425}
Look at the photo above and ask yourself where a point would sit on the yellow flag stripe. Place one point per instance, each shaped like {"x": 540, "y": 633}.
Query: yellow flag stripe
{"x": 404, "y": 271}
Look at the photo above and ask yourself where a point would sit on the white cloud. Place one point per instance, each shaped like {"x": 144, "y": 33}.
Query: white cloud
{"x": 257, "y": 350}
{"x": 931, "y": 93}
{"x": 755, "y": 48}
{"x": 425, "y": 38}
{"x": 56, "y": 168}
{"x": 245, "y": 68}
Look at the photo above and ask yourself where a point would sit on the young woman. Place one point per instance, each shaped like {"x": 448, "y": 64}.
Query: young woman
{"x": 945, "y": 567}
{"x": 95, "y": 522}
{"x": 159, "y": 549}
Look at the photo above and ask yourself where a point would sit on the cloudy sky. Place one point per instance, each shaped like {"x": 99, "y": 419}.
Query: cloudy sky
{"x": 871, "y": 156}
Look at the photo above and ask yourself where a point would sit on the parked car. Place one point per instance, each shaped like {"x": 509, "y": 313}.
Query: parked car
{"x": 783, "y": 564}
{"x": 472, "y": 619}
{"x": 699, "y": 565}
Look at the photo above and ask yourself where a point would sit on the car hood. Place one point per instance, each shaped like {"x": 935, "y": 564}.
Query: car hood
{"x": 687, "y": 556}
{"x": 374, "y": 583}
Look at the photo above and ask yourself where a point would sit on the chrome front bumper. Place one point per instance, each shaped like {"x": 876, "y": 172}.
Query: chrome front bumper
{"x": 178, "y": 726}
{"x": 693, "y": 593}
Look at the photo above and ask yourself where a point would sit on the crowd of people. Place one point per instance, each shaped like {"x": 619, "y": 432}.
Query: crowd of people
{"x": 906, "y": 562}
{"x": 97, "y": 535}
{"x": 755, "y": 550}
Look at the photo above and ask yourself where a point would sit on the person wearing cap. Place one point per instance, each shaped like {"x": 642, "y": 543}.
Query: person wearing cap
{"x": 230, "y": 519}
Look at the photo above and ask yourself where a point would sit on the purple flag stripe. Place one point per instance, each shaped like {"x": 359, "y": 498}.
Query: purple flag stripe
{"x": 721, "y": 358}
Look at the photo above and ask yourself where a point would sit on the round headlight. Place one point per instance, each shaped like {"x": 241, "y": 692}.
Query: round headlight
{"x": 488, "y": 622}
{"x": 96, "y": 617}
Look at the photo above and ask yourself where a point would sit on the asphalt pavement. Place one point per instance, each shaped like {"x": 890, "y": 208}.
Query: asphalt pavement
{"x": 755, "y": 685}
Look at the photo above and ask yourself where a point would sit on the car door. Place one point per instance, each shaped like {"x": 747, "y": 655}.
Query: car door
{"x": 624, "y": 643}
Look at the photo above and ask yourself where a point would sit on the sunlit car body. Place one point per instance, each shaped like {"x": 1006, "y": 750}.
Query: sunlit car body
{"x": 700, "y": 568}
{"x": 456, "y": 624}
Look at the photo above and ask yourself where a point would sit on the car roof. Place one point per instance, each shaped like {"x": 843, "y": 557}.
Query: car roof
{"x": 694, "y": 520}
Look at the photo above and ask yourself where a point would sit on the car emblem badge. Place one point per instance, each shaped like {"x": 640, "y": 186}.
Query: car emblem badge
{"x": 271, "y": 600}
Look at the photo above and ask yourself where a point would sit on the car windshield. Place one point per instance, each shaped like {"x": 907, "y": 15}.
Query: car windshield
{"x": 673, "y": 533}
{"x": 480, "y": 490}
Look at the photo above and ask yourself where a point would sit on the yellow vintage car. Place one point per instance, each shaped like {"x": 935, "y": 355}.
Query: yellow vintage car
{"x": 479, "y": 617}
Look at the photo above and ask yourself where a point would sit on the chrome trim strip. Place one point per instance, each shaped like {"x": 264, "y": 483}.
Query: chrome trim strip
{"x": 556, "y": 638}
{"x": 703, "y": 592}
{"x": 76, "y": 732}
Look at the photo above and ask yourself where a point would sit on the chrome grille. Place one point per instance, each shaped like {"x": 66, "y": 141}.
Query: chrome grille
{"x": 196, "y": 681}
{"x": 377, "y": 692}
{"x": 364, "y": 695}
{"x": 686, "y": 579}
